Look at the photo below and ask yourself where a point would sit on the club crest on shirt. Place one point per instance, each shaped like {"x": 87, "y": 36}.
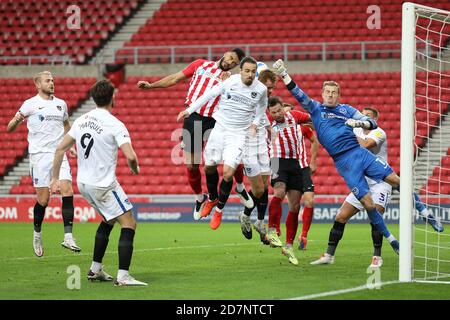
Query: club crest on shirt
{"x": 59, "y": 108}
{"x": 355, "y": 191}
{"x": 254, "y": 94}
{"x": 36, "y": 180}
{"x": 343, "y": 110}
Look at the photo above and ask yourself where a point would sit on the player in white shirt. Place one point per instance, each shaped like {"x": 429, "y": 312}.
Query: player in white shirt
{"x": 98, "y": 135}
{"x": 47, "y": 121}
{"x": 242, "y": 105}
{"x": 257, "y": 162}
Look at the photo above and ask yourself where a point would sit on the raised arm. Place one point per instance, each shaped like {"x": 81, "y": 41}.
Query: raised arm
{"x": 306, "y": 102}
{"x": 197, "y": 104}
{"x": 358, "y": 120}
{"x": 164, "y": 82}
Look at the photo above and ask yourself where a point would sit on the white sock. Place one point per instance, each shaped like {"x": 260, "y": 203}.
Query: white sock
{"x": 391, "y": 238}
{"x": 240, "y": 187}
{"x": 96, "y": 266}
{"x": 122, "y": 273}
{"x": 68, "y": 235}
{"x": 218, "y": 210}
{"x": 199, "y": 197}
{"x": 37, "y": 234}
{"x": 425, "y": 213}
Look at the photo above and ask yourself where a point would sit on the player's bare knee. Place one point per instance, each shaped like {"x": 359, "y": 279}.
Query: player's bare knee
{"x": 294, "y": 207}
{"x": 210, "y": 169}
{"x": 341, "y": 218}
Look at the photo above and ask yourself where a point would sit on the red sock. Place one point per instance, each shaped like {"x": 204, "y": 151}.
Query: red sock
{"x": 275, "y": 212}
{"x": 291, "y": 227}
{"x": 195, "y": 179}
{"x": 307, "y": 219}
{"x": 239, "y": 174}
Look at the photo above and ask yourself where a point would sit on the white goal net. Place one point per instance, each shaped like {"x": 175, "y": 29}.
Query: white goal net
{"x": 425, "y": 143}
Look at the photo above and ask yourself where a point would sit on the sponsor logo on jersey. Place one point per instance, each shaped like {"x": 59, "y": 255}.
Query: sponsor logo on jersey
{"x": 36, "y": 180}
{"x": 41, "y": 117}
{"x": 327, "y": 115}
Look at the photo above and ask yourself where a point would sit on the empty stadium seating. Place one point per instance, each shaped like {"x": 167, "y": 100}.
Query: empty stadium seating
{"x": 12, "y": 94}
{"x": 439, "y": 183}
{"x": 151, "y": 119}
{"x": 38, "y": 28}
{"x": 181, "y": 22}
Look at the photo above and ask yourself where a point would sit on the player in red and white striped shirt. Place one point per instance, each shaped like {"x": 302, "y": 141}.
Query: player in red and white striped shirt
{"x": 306, "y": 171}
{"x": 286, "y": 172}
{"x": 204, "y": 75}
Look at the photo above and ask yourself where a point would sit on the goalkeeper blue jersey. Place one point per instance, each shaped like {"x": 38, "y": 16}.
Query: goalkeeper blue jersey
{"x": 333, "y": 134}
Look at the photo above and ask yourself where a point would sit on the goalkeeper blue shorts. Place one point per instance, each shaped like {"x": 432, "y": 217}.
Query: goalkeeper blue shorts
{"x": 357, "y": 164}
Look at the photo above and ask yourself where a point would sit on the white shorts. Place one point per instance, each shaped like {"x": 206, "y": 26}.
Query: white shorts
{"x": 256, "y": 156}
{"x": 381, "y": 194}
{"x": 225, "y": 145}
{"x": 41, "y": 169}
{"x": 110, "y": 202}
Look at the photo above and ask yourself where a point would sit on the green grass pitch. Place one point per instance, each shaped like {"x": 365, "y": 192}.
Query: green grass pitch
{"x": 189, "y": 261}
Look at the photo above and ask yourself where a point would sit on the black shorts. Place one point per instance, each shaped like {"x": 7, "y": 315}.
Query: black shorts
{"x": 196, "y": 130}
{"x": 287, "y": 171}
{"x": 308, "y": 185}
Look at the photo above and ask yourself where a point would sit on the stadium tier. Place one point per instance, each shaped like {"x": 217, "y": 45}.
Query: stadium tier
{"x": 439, "y": 182}
{"x": 191, "y": 23}
{"x": 151, "y": 119}
{"x": 31, "y": 28}
{"x": 14, "y": 145}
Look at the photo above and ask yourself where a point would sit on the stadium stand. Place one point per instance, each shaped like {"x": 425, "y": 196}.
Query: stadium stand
{"x": 14, "y": 145}
{"x": 150, "y": 117}
{"x": 180, "y": 22}
{"x": 32, "y": 28}
{"x": 439, "y": 182}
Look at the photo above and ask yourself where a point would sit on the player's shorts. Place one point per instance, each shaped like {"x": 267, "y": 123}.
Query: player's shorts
{"x": 256, "y": 156}
{"x": 226, "y": 145}
{"x": 287, "y": 171}
{"x": 354, "y": 165}
{"x": 196, "y": 129}
{"x": 381, "y": 194}
{"x": 41, "y": 169}
{"x": 307, "y": 183}
{"x": 110, "y": 202}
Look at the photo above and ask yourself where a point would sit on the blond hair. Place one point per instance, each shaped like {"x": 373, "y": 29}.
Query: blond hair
{"x": 332, "y": 84}
{"x": 38, "y": 76}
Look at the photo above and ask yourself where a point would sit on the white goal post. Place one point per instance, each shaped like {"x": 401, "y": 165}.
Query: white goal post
{"x": 421, "y": 57}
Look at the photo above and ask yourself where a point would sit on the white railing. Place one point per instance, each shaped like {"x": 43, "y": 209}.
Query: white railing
{"x": 360, "y": 50}
{"x": 31, "y": 60}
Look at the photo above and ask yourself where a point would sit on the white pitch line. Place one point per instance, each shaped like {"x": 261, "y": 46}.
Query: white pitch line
{"x": 337, "y": 292}
{"x": 137, "y": 250}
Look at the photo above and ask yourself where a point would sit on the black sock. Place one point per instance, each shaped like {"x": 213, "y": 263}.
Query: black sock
{"x": 101, "y": 241}
{"x": 67, "y": 213}
{"x": 377, "y": 239}
{"x": 335, "y": 236}
{"x": 224, "y": 193}
{"x": 125, "y": 248}
{"x": 248, "y": 211}
{"x": 212, "y": 180}
{"x": 39, "y": 214}
{"x": 262, "y": 205}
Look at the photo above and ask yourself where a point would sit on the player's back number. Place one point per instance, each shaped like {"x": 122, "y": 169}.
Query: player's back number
{"x": 87, "y": 141}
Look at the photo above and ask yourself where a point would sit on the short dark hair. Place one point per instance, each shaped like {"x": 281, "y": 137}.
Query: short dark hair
{"x": 249, "y": 60}
{"x": 268, "y": 74}
{"x": 102, "y": 92}
{"x": 274, "y": 100}
{"x": 239, "y": 52}
{"x": 375, "y": 111}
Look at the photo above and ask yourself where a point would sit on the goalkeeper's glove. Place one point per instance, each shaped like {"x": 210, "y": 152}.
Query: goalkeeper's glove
{"x": 358, "y": 124}
{"x": 281, "y": 70}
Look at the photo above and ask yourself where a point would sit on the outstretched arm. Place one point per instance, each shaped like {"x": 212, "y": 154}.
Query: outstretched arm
{"x": 306, "y": 102}
{"x": 164, "y": 82}
{"x": 358, "y": 120}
